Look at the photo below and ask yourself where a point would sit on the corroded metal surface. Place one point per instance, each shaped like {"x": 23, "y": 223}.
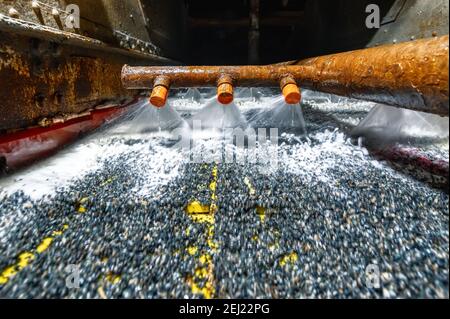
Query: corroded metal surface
{"x": 131, "y": 24}
{"x": 46, "y": 73}
{"x": 30, "y": 29}
{"x": 410, "y": 19}
{"x": 43, "y": 79}
{"x": 187, "y": 76}
{"x": 412, "y": 75}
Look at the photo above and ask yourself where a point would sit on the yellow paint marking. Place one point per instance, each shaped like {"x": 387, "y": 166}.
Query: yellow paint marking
{"x": 273, "y": 246}
{"x": 7, "y": 273}
{"x": 203, "y": 218}
{"x": 43, "y": 246}
{"x": 201, "y": 272}
{"x": 57, "y": 233}
{"x": 261, "y": 212}
{"x": 192, "y": 250}
{"x": 251, "y": 190}
{"x": 195, "y": 207}
{"x": 212, "y": 208}
{"x": 25, "y": 258}
{"x": 80, "y": 205}
{"x": 214, "y": 172}
{"x": 210, "y": 241}
{"x": 205, "y": 259}
{"x": 200, "y": 213}
{"x": 207, "y": 291}
{"x": 205, "y": 214}
{"x": 23, "y": 261}
{"x": 108, "y": 181}
{"x": 288, "y": 259}
{"x": 113, "y": 278}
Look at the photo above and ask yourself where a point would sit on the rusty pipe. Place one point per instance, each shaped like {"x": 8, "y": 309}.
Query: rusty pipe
{"x": 412, "y": 75}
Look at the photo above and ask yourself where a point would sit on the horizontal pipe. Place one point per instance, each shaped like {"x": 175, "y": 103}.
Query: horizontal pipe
{"x": 189, "y": 76}
{"x": 411, "y": 75}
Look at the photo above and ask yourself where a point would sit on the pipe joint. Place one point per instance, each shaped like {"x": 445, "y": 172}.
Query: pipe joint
{"x": 290, "y": 89}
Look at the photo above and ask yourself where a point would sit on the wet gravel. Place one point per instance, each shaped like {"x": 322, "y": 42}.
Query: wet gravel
{"x": 307, "y": 228}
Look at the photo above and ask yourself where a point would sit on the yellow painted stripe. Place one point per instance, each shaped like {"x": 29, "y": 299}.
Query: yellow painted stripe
{"x": 290, "y": 258}
{"x": 113, "y": 278}
{"x": 251, "y": 190}
{"x": 205, "y": 214}
{"x": 261, "y": 212}
{"x": 195, "y": 207}
{"x": 25, "y": 258}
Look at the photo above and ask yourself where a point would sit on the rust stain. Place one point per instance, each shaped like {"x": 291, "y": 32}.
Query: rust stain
{"x": 10, "y": 59}
{"x": 37, "y": 83}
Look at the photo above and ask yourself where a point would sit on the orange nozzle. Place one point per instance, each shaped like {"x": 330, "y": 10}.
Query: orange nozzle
{"x": 225, "y": 93}
{"x": 291, "y": 93}
{"x": 225, "y": 89}
{"x": 159, "y": 96}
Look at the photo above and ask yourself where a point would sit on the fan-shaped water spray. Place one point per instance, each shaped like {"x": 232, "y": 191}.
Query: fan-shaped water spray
{"x": 286, "y": 117}
{"x": 147, "y": 118}
{"x": 218, "y": 116}
{"x": 386, "y": 124}
{"x": 252, "y": 94}
{"x": 193, "y": 95}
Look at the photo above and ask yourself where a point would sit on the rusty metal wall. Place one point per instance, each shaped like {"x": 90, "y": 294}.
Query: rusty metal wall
{"x": 339, "y": 25}
{"x": 25, "y": 11}
{"x": 167, "y": 26}
{"x": 119, "y": 23}
{"x": 47, "y": 72}
{"x": 44, "y": 79}
{"x": 157, "y": 27}
{"x": 412, "y": 19}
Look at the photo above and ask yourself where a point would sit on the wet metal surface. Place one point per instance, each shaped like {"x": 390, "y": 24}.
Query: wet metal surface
{"x": 46, "y": 73}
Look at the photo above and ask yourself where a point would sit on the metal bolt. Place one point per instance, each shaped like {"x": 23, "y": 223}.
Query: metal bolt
{"x": 37, "y": 10}
{"x": 57, "y": 17}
